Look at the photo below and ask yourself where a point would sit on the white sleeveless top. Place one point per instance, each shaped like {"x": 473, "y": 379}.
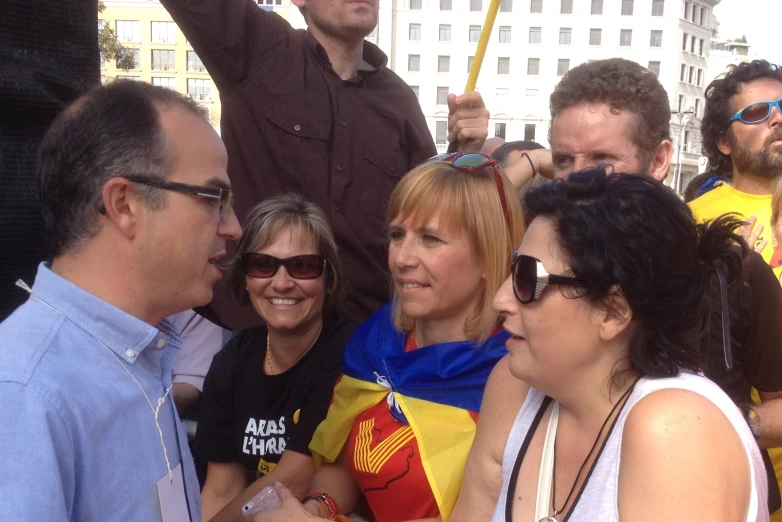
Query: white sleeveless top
{"x": 599, "y": 500}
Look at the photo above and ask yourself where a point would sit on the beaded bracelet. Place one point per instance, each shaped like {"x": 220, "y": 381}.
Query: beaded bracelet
{"x": 328, "y": 505}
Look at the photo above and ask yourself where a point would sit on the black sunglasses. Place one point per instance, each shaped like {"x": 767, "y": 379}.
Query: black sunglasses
{"x": 530, "y": 278}
{"x": 298, "y": 267}
{"x": 226, "y": 196}
{"x": 473, "y": 162}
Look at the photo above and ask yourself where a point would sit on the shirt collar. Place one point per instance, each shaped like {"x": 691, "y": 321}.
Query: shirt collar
{"x": 125, "y": 335}
{"x": 373, "y": 57}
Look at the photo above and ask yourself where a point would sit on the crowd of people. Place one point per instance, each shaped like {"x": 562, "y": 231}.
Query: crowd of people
{"x": 368, "y": 330}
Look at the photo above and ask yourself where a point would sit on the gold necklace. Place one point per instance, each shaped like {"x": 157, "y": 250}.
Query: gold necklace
{"x": 272, "y": 369}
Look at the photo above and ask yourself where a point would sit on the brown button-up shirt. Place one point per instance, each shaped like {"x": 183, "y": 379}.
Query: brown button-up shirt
{"x": 290, "y": 123}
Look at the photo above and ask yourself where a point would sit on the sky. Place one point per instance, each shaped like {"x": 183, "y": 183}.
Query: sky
{"x": 759, "y": 20}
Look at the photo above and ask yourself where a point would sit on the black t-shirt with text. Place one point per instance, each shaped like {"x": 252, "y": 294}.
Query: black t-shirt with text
{"x": 250, "y": 417}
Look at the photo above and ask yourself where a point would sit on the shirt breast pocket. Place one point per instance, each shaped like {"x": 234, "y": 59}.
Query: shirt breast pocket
{"x": 385, "y": 167}
{"x": 299, "y": 146}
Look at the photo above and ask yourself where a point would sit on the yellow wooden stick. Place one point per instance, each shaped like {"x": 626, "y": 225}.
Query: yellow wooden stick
{"x": 483, "y": 43}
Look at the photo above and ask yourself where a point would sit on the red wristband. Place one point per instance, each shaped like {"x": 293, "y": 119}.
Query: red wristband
{"x": 325, "y": 500}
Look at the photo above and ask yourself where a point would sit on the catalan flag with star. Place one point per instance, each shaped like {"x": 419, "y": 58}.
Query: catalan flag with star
{"x": 436, "y": 389}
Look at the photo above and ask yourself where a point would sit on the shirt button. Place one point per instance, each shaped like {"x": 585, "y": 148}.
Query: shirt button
{"x": 161, "y": 343}
{"x": 339, "y": 168}
{"x": 129, "y": 353}
{"x": 344, "y": 124}
{"x": 297, "y": 128}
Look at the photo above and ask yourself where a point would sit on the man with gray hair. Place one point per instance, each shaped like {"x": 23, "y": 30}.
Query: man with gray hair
{"x": 137, "y": 207}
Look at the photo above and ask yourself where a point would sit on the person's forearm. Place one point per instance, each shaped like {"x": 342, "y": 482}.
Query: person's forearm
{"x": 771, "y": 419}
{"x": 337, "y": 481}
{"x": 212, "y": 503}
{"x": 185, "y": 398}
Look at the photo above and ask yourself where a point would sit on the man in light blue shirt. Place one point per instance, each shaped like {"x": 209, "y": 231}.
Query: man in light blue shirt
{"x": 137, "y": 205}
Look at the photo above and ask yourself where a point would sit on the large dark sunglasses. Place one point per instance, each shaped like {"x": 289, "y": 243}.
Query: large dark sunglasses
{"x": 474, "y": 162}
{"x": 226, "y": 196}
{"x": 298, "y": 267}
{"x": 530, "y": 278}
{"x": 757, "y": 112}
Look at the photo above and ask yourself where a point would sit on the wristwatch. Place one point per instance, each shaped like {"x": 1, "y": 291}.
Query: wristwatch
{"x": 753, "y": 420}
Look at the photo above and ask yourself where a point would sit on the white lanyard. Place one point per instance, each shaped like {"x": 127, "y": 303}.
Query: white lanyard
{"x": 155, "y": 411}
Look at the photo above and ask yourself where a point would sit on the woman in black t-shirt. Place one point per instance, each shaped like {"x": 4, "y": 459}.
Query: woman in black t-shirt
{"x": 269, "y": 387}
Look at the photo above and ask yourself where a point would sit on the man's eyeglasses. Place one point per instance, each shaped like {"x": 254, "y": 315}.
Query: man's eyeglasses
{"x": 474, "y": 162}
{"x": 529, "y": 278}
{"x": 226, "y": 196}
{"x": 757, "y": 112}
{"x": 298, "y": 267}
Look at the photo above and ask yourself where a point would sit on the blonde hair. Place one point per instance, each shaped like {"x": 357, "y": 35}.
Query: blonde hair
{"x": 470, "y": 202}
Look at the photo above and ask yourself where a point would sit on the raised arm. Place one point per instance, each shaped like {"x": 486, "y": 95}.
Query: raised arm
{"x": 228, "y": 35}
{"x": 482, "y": 481}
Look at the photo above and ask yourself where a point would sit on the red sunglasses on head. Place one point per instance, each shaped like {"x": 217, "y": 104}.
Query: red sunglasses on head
{"x": 473, "y": 162}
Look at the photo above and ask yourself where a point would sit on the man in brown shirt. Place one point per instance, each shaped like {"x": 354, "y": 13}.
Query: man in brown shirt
{"x": 319, "y": 113}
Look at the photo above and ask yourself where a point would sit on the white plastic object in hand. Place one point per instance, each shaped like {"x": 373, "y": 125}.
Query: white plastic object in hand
{"x": 266, "y": 498}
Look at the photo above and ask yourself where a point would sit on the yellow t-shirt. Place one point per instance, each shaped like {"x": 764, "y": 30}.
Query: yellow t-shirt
{"x": 725, "y": 199}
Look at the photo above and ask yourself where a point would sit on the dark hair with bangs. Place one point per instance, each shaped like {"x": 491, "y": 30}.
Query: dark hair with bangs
{"x": 631, "y": 231}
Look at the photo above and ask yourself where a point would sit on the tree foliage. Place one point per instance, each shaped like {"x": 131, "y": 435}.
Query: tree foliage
{"x": 110, "y": 47}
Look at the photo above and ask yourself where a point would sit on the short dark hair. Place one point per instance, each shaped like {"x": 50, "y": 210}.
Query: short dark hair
{"x": 260, "y": 228}
{"x": 623, "y": 85}
{"x": 631, "y": 231}
{"x": 717, "y": 112}
{"x": 502, "y": 152}
{"x": 110, "y": 131}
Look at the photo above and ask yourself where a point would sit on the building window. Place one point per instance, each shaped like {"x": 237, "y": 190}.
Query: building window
{"x": 128, "y": 31}
{"x": 168, "y": 83}
{"x": 199, "y": 89}
{"x": 692, "y": 45}
{"x": 415, "y": 5}
{"x": 469, "y": 63}
{"x": 625, "y": 38}
{"x": 700, "y": 77}
{"x": 506, "y": 6}
{"x": 684, "y": 73}
{"x": 504, "y": 34}
{"x": 475, "y": 33}
{"x": 441, "y": 132}
{"x": 658, "y": 6}
{"x": 566, "y": 7}
{"x": 445, "y": 5}
{"x": 102, "y": 62}
{"x": 654, "y": 68}
{"x": 476, "y": 5}
{"x": 686, "y": 10}
{"x": 443, "y": 64}
{"x": 563, "y": 65}
{"x": 445, "y": 33}
{"x": 564, "y": 35}
{"x": 703, "y": 17}
{"x": 499, "y": 130}
{"x": 697, "y": 106}
{"x": 595, "y": 36}
{"x": 597, "y": 7}
{"x": 535, "y": 6}
{"x": 627, "y": 7}
{"x": 413, "y": 62}
{"x": 533, "y": 66}
{"x": 656, "y": 39}
{"x": 684, "y": 42}
{"x": 503, "y": 65}
{"x": 163, "y": 60}
{"x": 691, "y": 75}
{"x": 414, "y": 32}
{"x": 163, "y": 32}
{"x": 442, "y": 96}
{"x": 136, "y": 53}
{"x": 130, "y": 78}
{"x": 415, "y": 91}
{"x": 529, "y": 132}
{"x": 194, "y": 63}
{"x": 681, "y": 102}
{"x": 700, "y": 51}
{"x": 535, "y": 35}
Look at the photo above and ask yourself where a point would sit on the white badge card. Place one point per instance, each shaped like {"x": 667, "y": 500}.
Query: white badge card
{"x": 171, "y": 492}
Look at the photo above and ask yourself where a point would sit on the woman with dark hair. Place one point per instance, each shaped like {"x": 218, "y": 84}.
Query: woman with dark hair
{"x": 599, "y": 412}
{"x": 269, "y": 387}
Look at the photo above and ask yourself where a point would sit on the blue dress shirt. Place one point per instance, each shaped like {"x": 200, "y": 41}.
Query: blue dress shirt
{"x": 78, "y": 440}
